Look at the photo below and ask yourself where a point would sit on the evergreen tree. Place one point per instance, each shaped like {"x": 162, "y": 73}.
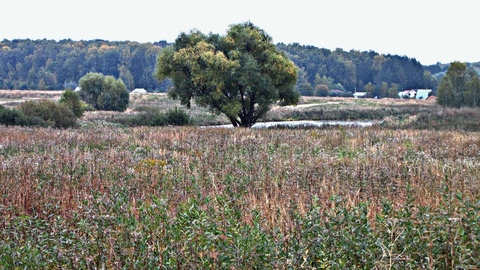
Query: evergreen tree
{"x": 452, "y": 88}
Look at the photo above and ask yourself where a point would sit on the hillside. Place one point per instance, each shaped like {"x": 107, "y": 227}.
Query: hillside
{"x": 55, "y": 65}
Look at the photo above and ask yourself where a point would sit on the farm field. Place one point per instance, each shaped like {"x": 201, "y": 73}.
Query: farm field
{"x": 382, "y": 197}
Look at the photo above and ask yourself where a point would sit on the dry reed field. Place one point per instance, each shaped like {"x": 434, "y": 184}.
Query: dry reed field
{"x": 12, "y": 98}
{"x": 195, "y": 198}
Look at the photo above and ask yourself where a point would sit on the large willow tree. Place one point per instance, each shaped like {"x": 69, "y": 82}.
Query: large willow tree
{"x": 241, "y": 74}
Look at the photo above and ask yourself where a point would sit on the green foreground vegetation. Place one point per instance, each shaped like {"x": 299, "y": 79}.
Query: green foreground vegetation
{"x": 403, "y": 194}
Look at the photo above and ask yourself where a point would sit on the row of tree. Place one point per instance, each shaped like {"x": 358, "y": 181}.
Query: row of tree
{"x": 52, "y": 65}
{"x": 459, "y": 87}
{"x": 323, "y": 70}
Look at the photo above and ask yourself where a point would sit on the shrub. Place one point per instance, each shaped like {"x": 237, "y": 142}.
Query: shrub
{"x": 10, "y": 117}
{"x": 321, "y": 90}
{"x": 72, "y": 101}
{"x": 104, "y": 92}
{"x": 55, "y": 115}
{"x": 174, "y": 117}
{"x": 177, "y": 117}
{"x": 13, "y": 117}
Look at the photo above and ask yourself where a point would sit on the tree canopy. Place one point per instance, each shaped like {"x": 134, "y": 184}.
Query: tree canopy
{"x": 241, "y": 74}
{"x": 58, "y": 65}
{"x": 459, "y": 87}
{"x": 72, "y": 100}
{"x": 104, "y": 92}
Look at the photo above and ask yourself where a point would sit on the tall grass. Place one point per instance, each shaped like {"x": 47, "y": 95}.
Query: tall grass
{"x": 151, "y": 108}
{"x": 237, "y": 198}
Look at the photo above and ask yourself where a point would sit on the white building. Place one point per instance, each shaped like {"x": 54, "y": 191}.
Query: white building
{"x": 423, "y": 93}
{"x": 360, "y": 94}
{"x": 407, "y": 94}
{"x": 140, "y": 91}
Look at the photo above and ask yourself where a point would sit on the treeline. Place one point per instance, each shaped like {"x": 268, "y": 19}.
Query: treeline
{"x": 57, "y": 65}
{"x": 377, "y": 74}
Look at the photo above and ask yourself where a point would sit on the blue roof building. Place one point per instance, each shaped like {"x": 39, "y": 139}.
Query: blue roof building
{"x": 423, "y": 93}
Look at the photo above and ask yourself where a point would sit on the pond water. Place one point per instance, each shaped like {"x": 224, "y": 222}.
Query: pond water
{"x": 311, "y": 123}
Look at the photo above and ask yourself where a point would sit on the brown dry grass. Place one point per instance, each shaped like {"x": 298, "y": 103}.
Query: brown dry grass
{"x": 12, "y": 98}
{"x": 51, "y": 172}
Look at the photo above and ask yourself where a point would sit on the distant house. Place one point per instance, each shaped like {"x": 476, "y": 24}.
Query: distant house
{"x": 423, "y": 93}
{"x": 78, "y": 89}
{"x": 140, "y": 91}
{"x": 360, "y": 94}
{"x": 407, "y": 94}
{"x": 418, "y": 94}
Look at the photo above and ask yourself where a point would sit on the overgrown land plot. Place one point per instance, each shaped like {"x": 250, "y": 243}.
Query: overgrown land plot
{"x": 194, "y": 198}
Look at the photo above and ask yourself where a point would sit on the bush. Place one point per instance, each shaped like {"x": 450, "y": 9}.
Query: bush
{"x": 12, "y": 117}
{"x": 321, "y": 90}
{"x": 72, "y": 101}
{"x": 177, "y": 117}
{"x": 55, "y": 115}
{"x": 151, "y": 118}
{"x": 104, "y": 92}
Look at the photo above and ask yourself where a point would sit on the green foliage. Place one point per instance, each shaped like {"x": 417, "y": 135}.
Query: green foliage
{"x": 55, "y": 115}
{"x": 321, "y": 90}
{"x": 472, "y": 89}
{"x": 445, "y": 94}
{"x": 354, "y": 69}
{"x": 211, "y": 233}
{"x": 14, "y": 117}
{"x": 195, "y": 198}
{"x": 49, "y": 64}
{"x": 72, "y": 100}
{"x": 104, "y": 92}
{"x": 173, "y": 117}
{"x": 240, "y": 75}
{"x": 57, "y": 65}
{"x": 177, "y": 117}
{"x": 306, "y": 89}
{"x": 369, "y": 88}
{"x": 11, "y": 117}
{"x": 459, "y": 87}
{"x": 114, "y": 96}
{"x": 91, "y": 87}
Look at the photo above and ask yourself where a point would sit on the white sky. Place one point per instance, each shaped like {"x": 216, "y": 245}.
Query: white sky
{"x": 430, "y": 31}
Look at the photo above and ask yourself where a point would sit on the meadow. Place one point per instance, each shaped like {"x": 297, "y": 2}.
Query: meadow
{"x": 405, "y": 195}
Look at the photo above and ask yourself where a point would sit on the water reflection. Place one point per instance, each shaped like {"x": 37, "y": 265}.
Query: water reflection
{"x": 310, "y": 124}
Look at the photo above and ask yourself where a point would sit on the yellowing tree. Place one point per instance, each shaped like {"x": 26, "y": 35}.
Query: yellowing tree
{"x": 241, "y": 74}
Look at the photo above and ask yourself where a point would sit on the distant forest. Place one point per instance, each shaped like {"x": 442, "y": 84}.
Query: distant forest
{"x": 57, "y": 65}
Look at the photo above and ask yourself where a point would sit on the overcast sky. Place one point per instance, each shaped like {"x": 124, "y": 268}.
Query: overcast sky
{"x": 429, "y": 31}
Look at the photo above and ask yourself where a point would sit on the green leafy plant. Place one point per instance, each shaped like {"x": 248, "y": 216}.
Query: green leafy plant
{"x": 53, "y": 114}
{"x": 72, "y": 101}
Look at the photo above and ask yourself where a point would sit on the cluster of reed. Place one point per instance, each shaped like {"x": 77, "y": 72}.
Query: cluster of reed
{"x": 198, "y": 197}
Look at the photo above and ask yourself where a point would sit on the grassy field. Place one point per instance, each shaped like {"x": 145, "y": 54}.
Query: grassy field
{"x": 397, "y": 196}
